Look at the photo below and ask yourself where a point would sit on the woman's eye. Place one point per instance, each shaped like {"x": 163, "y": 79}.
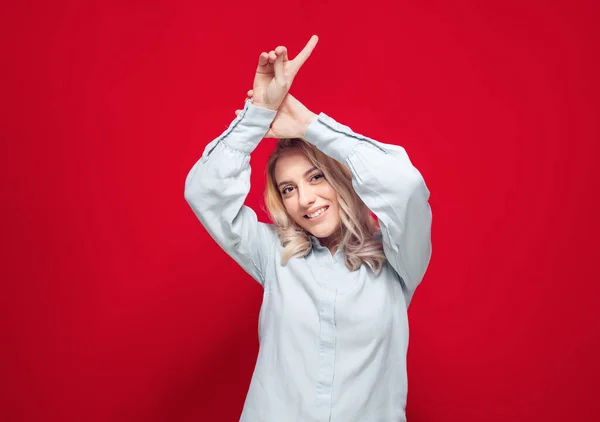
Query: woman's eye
{"x": 317, "y": 176}
{"x": 285, "y": 191}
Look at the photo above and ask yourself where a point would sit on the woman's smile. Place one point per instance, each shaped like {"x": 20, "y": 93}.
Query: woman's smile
{"x": 321, "y": 212}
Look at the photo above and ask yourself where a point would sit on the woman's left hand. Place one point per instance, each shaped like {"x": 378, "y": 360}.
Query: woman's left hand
{"x": 292, "y": 118}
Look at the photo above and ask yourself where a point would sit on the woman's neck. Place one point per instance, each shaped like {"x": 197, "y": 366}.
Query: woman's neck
{"x": 331, "y": 242}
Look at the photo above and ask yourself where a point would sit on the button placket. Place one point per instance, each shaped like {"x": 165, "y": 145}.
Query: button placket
{"x": 327, "y": 345}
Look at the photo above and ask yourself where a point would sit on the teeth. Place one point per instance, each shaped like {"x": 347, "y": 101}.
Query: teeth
{"x": 317, "y": 213}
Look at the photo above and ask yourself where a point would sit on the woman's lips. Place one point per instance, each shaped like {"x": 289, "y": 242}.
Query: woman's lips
{"x": 318, "y": 216}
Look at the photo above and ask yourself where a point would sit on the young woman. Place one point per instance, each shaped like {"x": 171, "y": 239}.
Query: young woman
{"x": 333, "y": 324}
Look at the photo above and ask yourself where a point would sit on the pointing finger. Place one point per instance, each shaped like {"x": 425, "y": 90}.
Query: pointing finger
{"x": 306, "y": 51}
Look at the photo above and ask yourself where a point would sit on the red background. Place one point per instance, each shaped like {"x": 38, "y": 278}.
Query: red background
{"x": 117, "y": 306}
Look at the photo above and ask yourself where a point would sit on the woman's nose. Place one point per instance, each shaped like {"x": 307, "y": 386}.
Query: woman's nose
{"x": 306, "y": 197}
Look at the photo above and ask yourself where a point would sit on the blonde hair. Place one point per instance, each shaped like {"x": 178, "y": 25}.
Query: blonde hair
{"x": 355, "y": 235}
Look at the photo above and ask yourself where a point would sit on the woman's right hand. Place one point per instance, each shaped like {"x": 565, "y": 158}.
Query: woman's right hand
{"x": 275, "y": 74}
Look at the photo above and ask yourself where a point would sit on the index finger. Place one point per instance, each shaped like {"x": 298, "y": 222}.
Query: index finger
{"x": 306, "y": 51}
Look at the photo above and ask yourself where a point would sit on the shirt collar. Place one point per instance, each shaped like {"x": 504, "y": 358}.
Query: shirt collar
{"x": 315, "y": 242}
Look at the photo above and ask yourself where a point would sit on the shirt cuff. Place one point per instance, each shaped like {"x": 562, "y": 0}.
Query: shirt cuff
{"x": 324, "y": 133}
{"x": 249, "y": 128}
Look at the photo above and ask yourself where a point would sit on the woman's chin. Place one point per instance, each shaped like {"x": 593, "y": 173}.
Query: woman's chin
{"x": 322, "y": 232}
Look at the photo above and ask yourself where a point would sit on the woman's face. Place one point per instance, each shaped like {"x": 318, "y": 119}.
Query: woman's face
{"x": 308, "y": 198}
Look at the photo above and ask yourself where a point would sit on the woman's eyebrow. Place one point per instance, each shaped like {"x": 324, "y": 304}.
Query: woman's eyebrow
{"x": 306, "y": 173}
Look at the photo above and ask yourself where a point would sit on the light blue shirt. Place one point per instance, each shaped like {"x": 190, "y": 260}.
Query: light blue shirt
{"x": 333, "y": 342}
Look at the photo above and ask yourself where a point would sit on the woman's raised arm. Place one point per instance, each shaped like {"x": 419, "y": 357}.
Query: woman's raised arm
{"x": 218, "y": 184}
{"x": 388, "y": 183}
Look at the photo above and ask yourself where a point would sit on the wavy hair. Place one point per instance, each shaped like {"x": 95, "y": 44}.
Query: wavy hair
{"x": 356, "y": 233}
